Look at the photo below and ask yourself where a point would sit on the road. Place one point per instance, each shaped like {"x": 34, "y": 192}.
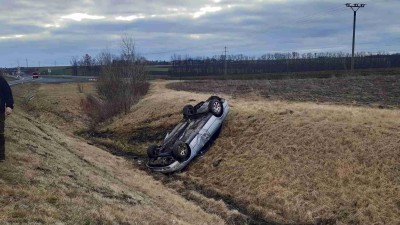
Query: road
{"x": 52, "y": 79}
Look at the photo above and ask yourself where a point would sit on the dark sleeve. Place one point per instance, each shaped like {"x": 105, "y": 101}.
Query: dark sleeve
{"x": 7, "y": 93}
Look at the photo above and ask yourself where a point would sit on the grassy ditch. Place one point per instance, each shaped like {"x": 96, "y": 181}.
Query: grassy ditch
{"x": 292, "y": 162}
{"x": 278, "y": 161}
{"x": 129, "y": 143}
{"x": 52, "y": 177}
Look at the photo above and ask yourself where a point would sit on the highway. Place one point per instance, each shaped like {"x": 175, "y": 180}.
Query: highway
{"x": 52, "y": 79}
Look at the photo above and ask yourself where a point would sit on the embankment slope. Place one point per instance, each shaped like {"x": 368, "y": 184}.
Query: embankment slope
{"x": 51, "y": 177}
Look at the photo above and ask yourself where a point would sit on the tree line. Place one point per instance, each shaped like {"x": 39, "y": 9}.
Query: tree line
{"x": 88, "y": 65}
{"x": 279, "y": 62}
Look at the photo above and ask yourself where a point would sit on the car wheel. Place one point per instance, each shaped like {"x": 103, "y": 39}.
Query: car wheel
{"x": 215, "y": 107}
{"x": 181, "y": 151}
{"x": 213, "y": 97}
{"x": 188, "y": 110}
{"x": 152, "y": 151}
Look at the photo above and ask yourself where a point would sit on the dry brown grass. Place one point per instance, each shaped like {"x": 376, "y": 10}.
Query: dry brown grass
{"x": 56, "y": 104}
{"x": 285, "y": 162}
{"x": 292, "y": 162}
{"x": 377, "y": 91}
{"x": 8, "y": 78}
{"x": 317, "y": 163}
{"x": 51, "y": 177}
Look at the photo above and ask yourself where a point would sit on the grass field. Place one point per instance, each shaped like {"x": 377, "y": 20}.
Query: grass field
{"x": 56, "y": 70}
{"x": 281, "y": 160}
{"x": 157, "y": 68}
{"x": 376, "y": 91}
{"x": 292, "y": 75}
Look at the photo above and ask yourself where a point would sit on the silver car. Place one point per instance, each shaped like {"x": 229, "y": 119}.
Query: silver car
{"x": 199, "y": 125}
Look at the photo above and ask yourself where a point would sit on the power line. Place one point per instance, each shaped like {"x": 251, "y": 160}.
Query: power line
{"x": 225, "y": 72}
{"x": 355, "y": 8}
{"x": 300, "y": 20}
{"x": 310, "y": 18}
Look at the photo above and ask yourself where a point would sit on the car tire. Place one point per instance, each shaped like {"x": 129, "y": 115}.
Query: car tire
{"x": 187, "y": 111}
{"x": 152, "y": 151}
{"x": 215, "y": 107}
{"x": 213, "y": 97}
{"x": 181, "y": 151}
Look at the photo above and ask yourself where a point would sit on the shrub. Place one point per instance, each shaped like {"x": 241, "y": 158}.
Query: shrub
{"x": 122, "y": 82}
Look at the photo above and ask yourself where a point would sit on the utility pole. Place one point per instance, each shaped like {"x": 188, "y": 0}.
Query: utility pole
{"x": 225, "y": 72}
{"x": 18, "y": 70}
{"x": 354, "y": 7}
{"x": 26, "y": 59}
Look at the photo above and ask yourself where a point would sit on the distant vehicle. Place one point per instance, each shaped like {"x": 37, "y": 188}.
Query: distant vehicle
{"x": 35, "y": 75}
{"x": 200, "y": 124}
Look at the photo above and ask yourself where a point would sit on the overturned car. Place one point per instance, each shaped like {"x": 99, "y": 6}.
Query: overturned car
{"x": 199, "y": 125}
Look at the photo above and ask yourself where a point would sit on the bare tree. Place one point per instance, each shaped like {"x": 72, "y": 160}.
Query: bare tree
{"x": 87, "y": 64}
{"x": 75, "y": 65}
{"x": 122, "y": 82}
{"x": 127, "y": 48}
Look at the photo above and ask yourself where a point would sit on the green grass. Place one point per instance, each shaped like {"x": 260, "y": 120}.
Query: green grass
{"x": 157, "y": 68}
{"x": 56, "y": 70}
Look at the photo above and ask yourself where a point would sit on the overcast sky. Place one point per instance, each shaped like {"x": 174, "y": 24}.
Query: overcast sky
{"x": 52, "y": 31}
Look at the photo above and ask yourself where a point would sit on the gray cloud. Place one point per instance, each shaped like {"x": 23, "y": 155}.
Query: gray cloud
{"x": 197, "y": 28}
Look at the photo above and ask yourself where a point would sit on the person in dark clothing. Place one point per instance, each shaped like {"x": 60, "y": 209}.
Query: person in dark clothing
{"x": 6, "y": 107}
